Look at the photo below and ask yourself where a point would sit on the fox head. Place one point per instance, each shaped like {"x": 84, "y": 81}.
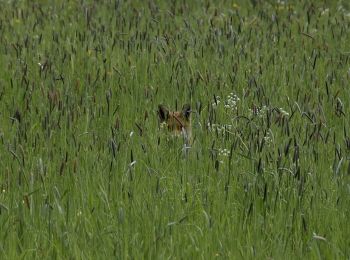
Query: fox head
{"x": 177, "y": 122}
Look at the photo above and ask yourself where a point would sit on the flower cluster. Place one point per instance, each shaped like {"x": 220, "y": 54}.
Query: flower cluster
{"x": 220, "y": 128}
{"x": 163, "y": 125}
{"x": 216, "y": 102}
{"x": 232, "y": 101}
{"x": 258, "y": 112}
{"x": 229, "y": 103}
{"x": 268, "y": 138}
{"x": 224, "y": 152}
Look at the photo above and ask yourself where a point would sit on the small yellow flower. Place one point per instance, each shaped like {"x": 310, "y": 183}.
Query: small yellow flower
{"x": 235, "y": 6}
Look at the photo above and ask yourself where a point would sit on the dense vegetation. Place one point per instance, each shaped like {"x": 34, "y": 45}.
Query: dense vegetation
{"x": 87, "y": 173}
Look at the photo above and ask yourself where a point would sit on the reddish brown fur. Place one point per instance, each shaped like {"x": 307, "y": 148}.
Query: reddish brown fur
{"x": 178, "y": 122}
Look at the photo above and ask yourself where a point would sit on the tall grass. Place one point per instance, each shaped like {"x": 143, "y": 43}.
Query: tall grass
{"x": 86, "y": 173}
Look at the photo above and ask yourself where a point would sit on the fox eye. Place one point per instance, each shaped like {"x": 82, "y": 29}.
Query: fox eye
{"x": 163, "y": 113}
{"x": 186, "y": 110}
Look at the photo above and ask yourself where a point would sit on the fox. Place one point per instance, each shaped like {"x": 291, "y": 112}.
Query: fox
{"x": 177, "y": 122}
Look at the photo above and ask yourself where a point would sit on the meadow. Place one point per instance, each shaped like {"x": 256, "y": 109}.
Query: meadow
{"x": 86, "y": 172}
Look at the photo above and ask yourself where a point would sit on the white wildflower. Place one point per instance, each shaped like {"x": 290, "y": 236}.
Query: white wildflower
{"x": 216, "y": 102}
{"x": 224, "y": 152}
{"x": 259, "y": 112}
{"x": 231, "y": 102}
{"x": 163, "y": 125}
{"x": 267, "y": 138}
{"x": 325, "y": 11}
{"x": 283, "y": 112}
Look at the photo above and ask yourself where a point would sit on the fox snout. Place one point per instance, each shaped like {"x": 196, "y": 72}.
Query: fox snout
{"x": 177, "y": 122}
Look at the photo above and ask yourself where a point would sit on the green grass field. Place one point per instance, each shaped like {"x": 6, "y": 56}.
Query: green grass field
{"x": 86, "y": 173}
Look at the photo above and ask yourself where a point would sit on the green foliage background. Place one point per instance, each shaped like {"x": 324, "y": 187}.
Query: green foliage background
{"x": 86, "y": 173}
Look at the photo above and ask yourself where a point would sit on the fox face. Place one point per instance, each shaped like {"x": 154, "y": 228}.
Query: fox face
{"x": 177, "y": 122}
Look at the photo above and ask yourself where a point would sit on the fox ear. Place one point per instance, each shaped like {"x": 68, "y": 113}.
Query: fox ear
{"x": 186, "y": 110}
{"x": 163, "y": 113}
